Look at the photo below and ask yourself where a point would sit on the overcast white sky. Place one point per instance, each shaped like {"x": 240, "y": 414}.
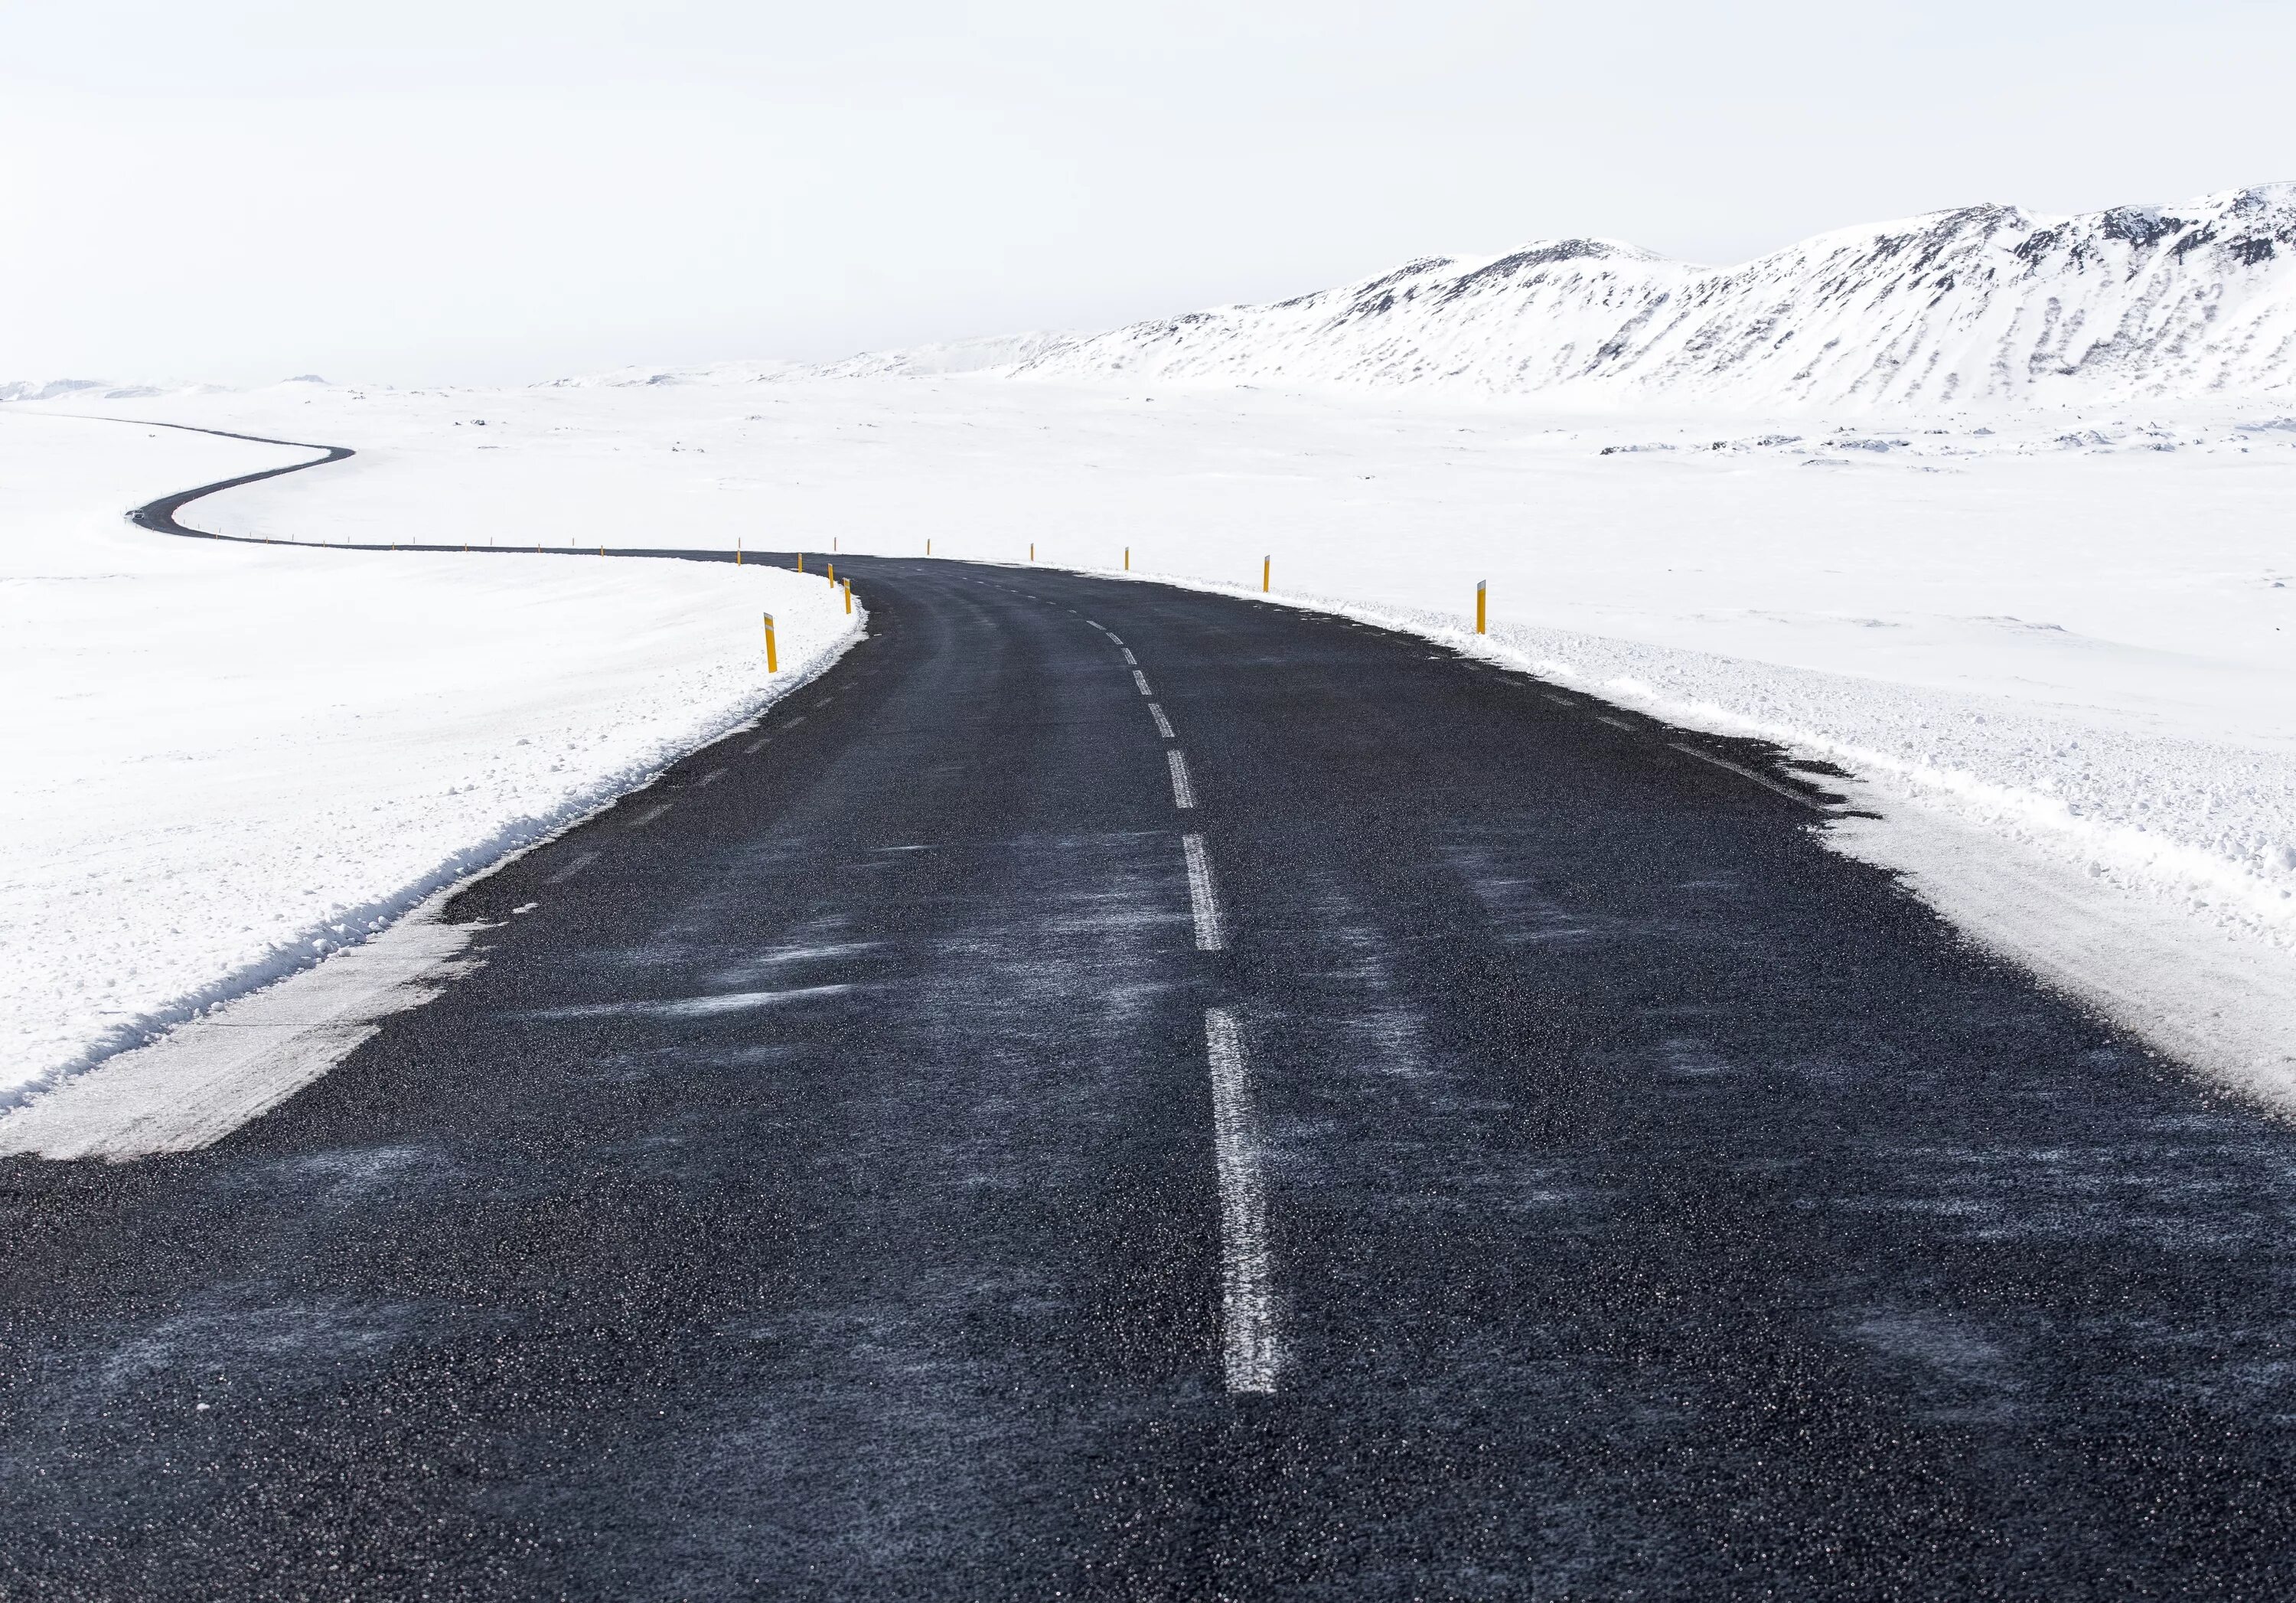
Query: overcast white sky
{"x": 419, "y": 191}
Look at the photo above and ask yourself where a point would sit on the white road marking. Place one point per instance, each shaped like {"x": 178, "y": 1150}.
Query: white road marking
{"x": 649, "y": 815}
{"x": 1247, "y": 1304}
{"x": 806, "y": 954}
{"x": 1141, "y": 679}
{"x": 1095, "y": 623}
{"x": 1203, "y": 901}
{"x": 1559, "y": 701}
{"x": 197, "y": 1083}
{"x": 712, "y": 778}
{"x": 1183, "y": 794}
{"x": 794, "y": 722}
{"x": 756, "y": 746}
{"x": 1614, "y": 723}
{"x": 736, "y": 1001}
{"x": 572, "y": 868}
{"x": 1763, "y": 780}
{"x": 1114, "y": 638}
{"x": 1129, "y": 659}
{"x": 1164, "y": 724}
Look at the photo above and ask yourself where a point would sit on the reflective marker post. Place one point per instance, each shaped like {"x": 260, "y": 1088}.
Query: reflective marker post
{"x": 1266, "y": 566}
{"x": 773, "y": 664}
{"x": 849, "y": 595}
{"x": 1481, "y": 617}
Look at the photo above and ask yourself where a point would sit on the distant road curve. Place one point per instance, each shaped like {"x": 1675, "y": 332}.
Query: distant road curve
{"x": 159, "y": 516}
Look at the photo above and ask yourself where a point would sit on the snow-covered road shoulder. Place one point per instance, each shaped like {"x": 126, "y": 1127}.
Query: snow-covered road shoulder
{"x": 230, "y": 760}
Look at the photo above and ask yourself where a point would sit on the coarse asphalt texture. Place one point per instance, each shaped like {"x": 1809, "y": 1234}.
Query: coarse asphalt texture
{"x": 828, "y": 1187}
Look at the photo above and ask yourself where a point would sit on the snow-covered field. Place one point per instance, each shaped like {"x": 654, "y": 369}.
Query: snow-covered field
{"x": 2058, "y": 649}
{"x": 224, "y": 759}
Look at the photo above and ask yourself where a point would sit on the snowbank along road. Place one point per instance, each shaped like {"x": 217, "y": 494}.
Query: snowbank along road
{"x": 1123, "y": 1091}
{"x": 228, "y": 757}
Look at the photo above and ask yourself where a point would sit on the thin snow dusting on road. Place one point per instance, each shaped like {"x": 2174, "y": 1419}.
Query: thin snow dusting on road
{"x": 2058, "y": 644}
{"x": 226, "y": 760}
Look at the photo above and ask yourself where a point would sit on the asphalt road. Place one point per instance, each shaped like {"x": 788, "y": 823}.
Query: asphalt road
{"x": 1506, "y": 1155}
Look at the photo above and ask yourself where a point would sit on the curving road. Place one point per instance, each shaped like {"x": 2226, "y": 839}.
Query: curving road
{"x": 159, "y": 516}
{"x": 1122, "y": 1092}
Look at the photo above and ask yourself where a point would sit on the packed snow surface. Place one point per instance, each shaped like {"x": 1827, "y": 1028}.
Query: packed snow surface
{"x": 226, "y": 760}
{"x": 1983, "y": 304}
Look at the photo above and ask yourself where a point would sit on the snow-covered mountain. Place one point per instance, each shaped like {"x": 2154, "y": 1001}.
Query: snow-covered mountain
{"x": 1984, "y": 304}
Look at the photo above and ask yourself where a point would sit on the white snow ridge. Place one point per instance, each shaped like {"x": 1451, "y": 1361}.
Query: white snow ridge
{"x": 1983, "y": 304}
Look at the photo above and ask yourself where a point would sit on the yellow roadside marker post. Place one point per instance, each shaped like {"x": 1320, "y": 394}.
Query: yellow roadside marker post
{"x": 801, "y": 562}
{"x": 928, "y": 545}
{"x": 1127, "y": 559}
{"x": 849, "y": 595}
{"x": 1032, "y": 551}
{"x": 1481, "y": 617}
{"x": 1266, "y": 567}
{"x": 832, "y": 573}
{"x": 737, "y": 550}
{"x": 773, "y": 664}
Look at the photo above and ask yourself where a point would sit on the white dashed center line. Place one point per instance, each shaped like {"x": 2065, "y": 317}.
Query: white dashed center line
{"x": 1203, "y": 901}
{"x": 1247, "y": 1305}
{"x": 1164, "y": 724}
{"x": 1129, "y": 659}
{"x": 649, "y": 815}
{"x": 1614, "y": 723}
{"x": 712, "y": 778}
{"x": 1183, "y": 794}
{"x": 1113, "y": 638}
{"x": 794, "y": 722}
{"x": 756, "y": 746}
{"x": 1141, "y": 679}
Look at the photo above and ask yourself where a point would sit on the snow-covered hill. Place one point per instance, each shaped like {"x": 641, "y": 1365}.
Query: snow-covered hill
{"x": 1984, "y": 304}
